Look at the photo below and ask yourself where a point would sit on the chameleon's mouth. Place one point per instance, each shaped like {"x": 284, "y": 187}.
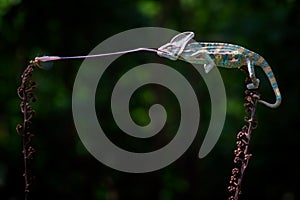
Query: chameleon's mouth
{"x": 166, "y": 54}
{"x": 163, "y": 53}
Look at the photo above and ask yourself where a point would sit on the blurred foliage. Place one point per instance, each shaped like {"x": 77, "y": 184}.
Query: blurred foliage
{"x": 63, "y": 167}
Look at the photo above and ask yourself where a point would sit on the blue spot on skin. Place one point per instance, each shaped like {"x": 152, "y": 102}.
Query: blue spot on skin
{"x": 264, "y": 64}
{"x": 278, "y": 98}
{"x": 225, "y": 60}
{"x": 240, "y": 58}
{"x": 274, "y": 85}
{"x": 256, "y": 57}
{"x": 270, "y": 75}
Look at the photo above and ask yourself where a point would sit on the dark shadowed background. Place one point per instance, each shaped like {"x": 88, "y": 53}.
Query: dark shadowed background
{"x": 65, "y": 170}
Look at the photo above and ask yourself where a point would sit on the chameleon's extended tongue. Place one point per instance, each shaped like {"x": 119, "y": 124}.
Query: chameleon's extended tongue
{"x": 46, "y": 62}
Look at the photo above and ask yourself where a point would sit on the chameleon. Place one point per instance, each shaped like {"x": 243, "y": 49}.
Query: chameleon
{"x": 211, "y": 54}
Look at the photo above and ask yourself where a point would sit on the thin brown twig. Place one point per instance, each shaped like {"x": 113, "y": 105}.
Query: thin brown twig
{"x": 242, "y": 154}
{"x": 25, "y": 93}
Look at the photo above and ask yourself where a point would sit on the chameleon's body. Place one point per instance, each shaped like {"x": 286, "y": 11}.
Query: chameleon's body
{"x": 221, "y": 55}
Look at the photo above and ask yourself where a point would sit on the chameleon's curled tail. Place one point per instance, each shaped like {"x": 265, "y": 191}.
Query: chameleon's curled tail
{"x": 271, "y": 105}
{"x": 268, "y": 71}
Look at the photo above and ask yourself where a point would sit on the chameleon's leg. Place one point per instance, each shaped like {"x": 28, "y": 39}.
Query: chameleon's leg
{"x": 202, "y": 57}
{"x": 210, "y": 65}
{"x": 255, "y": 81}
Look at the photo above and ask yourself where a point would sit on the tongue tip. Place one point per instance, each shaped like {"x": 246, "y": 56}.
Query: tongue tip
{"x": 47, "y": 58}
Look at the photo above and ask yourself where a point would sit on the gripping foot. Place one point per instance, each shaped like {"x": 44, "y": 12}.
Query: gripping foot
{"x": 254, "y": 84}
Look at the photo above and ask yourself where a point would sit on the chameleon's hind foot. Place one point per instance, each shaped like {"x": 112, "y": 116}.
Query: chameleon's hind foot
{"x": 253, "y": 85}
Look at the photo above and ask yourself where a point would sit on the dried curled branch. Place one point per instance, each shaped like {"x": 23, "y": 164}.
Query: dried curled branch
{"x": 242, "y": 155}
{"x": 25, "y": 93}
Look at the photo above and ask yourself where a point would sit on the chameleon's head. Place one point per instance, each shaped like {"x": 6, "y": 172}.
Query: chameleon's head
{"x": 175, "y": 47}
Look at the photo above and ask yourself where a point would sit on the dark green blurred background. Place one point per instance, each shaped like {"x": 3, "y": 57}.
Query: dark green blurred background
{"x": 62, "y": 166}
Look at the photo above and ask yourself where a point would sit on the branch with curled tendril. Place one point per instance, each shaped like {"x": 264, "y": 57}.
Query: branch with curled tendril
{"x": 242, "y": 154}
{"x": 25, "y": 93}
